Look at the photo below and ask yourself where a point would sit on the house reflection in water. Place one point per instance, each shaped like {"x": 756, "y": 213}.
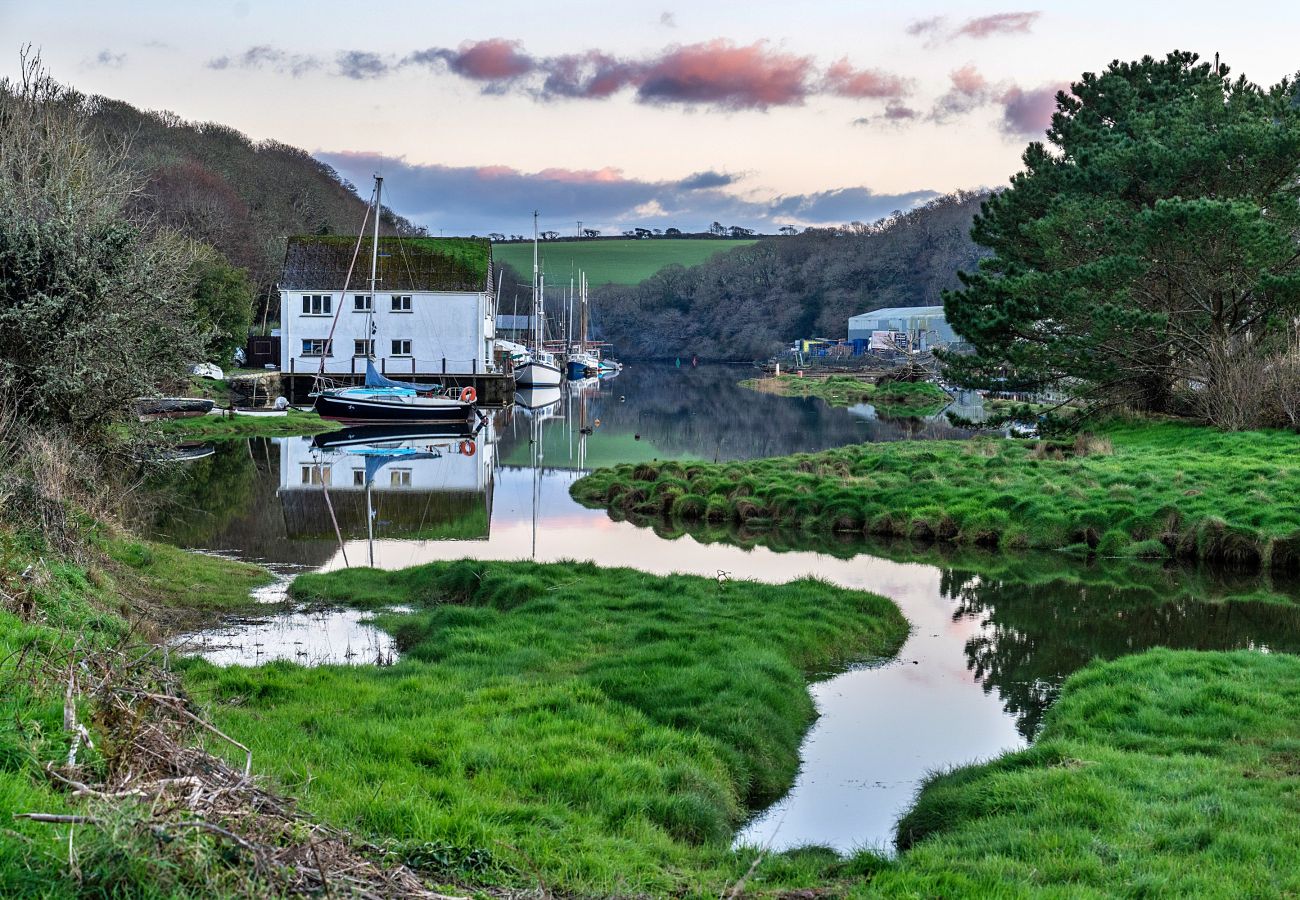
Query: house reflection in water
{"x": 417, "y": 482}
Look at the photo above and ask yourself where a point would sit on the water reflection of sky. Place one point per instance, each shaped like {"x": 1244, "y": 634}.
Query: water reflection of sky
{"x": 984, "y": 657}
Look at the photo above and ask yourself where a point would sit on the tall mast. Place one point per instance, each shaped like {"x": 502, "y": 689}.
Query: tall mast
{"x": 537, "y": 305}
{"x": 374, "y": 273}
{"x": 584, "y": 311}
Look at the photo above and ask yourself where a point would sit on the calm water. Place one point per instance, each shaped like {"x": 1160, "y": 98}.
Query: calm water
{"x": 993, "y": 636}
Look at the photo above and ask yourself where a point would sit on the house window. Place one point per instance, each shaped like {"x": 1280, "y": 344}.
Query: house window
{"x": 363, "y": 348}
{"x": 401, "y": 347}
{"x": 401, "y": 303}
{"x": 361, "y": 303}
{"x": 317, "y": 304}
{"x": 359, "y": 477}
{"x": 316, "y": 474}
{"x": 317, "y": 347}
{"x": 399, "y": 478}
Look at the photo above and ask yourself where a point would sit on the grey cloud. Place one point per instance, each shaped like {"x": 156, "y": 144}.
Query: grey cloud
{"x": 469, "y": 199}
{"x": 106, "y": 59}
{"x": 264, "y": 56}
{"x": 360, "y": 65}
{"x": 707, "y": 179}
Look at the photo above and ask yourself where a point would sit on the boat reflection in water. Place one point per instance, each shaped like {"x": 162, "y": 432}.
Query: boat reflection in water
{"x": 414, "y": 482}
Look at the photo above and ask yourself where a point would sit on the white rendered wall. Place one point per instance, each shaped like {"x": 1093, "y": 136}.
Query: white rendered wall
{"x": 441, "y": 325}
{"x": 453, "y": 471}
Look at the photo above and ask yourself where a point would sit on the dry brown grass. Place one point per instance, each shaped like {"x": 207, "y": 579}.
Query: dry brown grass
{"x": 152, "y": 786}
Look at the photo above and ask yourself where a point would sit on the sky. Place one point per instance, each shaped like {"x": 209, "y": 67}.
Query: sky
{"x": 656, "y": 114}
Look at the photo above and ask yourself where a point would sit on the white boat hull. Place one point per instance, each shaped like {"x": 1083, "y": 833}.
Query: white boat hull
{"x": 536, "y": 374}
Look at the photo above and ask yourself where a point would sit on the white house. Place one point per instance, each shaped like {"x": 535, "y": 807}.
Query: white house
{"x": 434, "y": 488}
{"x": 433, "y": 306}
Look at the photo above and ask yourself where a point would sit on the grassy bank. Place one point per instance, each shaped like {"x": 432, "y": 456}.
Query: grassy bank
{"x": 600, "y": 730}
{"x": 1167, "y": 773}
{"x": 296, "y": 422}
{"x": 55, "y": 609}
{"x": 1161, "y": 491}
{"x": 612, "y": 261}
{"x": 900, "y": 400}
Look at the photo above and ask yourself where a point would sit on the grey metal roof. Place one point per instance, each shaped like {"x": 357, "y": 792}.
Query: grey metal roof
{"x": 900, "y": 312}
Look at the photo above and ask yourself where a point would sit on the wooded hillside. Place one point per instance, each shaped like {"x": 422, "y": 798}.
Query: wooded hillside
{"x": 747, "y": 302}
{"x": 217, "y": 186}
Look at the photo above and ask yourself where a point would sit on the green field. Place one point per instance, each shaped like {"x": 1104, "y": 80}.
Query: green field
{"x": 611, "y": 262}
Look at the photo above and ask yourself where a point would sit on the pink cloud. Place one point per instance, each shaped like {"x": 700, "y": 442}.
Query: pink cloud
{"x": 998, "y": 23}
{"x": 607, "y": 175}
{"x": 1028, "y": 112}
{"x": 494, "y": 59}
{"x": 723, "y": 74}
{"x": 842, "y": 79}
{"x": 936, "y": 29}
{"x": 968, "y": 80}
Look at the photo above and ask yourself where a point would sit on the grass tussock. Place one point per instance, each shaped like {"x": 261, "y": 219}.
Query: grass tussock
{"x": 896, "y": 399}
{"x": 602, "y": 730}
{"x": 1166, "y": 491}
{"x": 1166, "y": 773}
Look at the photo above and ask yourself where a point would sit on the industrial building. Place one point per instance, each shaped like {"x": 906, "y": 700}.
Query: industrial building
{"x": 925, "y": 326}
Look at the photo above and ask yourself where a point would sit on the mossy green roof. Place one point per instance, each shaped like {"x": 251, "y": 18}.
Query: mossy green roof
{"x": 320, "y": 262}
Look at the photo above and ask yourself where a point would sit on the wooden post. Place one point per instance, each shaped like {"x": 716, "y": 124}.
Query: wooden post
{"x": 383, "y": 365}
{"x": 444, "y": 365}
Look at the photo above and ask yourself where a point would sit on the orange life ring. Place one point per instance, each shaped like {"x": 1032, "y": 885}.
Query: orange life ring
{"x": 467, "y": 448}
{"x": 468, "y": 395}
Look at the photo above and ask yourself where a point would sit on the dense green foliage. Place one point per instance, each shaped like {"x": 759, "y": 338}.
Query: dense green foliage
{"x": 93, "y": 312}
{"x": 898, "y": 399}
{"x": 1163, "y": 491}
{"x": 223, "y": 307}
{"x": 1150, "y": 246}
{"x": 605, "y": 727}
{"x": 1166, "y": 773}
{"x": 748, "y": 302}
{"x": 608, "y": 261}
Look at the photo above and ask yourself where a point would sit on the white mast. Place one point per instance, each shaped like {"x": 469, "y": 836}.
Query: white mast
{"x": 537, "y": 305}
{"x": 374, "y": 273}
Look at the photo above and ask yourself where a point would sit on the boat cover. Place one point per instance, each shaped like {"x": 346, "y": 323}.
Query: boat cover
{"x": 375, "y": 380}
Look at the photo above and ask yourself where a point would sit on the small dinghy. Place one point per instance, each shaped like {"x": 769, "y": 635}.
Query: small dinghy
{"x": 151, "y": 409}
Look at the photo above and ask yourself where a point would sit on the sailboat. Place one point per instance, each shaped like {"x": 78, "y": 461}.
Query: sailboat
{"x": 582, "y": 360}
{"x": 381, "y": 399}
{"x": 541, "y": 368}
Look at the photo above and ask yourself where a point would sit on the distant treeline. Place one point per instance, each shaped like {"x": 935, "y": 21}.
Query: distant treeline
{"x": 671, "y": 234}
{"x": 746, "y": 303}
{"x": 242, "y": 197}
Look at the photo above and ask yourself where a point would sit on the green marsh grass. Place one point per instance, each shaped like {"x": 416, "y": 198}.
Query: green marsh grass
{"x": 90, "y": 605}
{"x": 1168, "y": 491}
{"x": 898, "y": 400}
{"x": 1161, "y": 774}
{"x": 295, "y": 422}
{"x": 605, "y": 728}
